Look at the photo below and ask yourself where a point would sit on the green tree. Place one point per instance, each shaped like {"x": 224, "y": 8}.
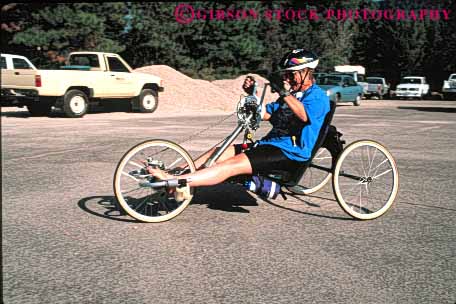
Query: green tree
{"x": 59, "y": 28}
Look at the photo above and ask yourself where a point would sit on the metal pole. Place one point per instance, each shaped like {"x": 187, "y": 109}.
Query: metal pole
{"x": 225, "y": 145}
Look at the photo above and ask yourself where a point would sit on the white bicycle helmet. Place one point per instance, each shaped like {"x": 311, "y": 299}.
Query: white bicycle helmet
{"x": 298, "y": 59}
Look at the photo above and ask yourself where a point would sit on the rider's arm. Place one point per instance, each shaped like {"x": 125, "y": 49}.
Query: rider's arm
{"x": 268, "y": 109}
{"x": 297, "y": 107}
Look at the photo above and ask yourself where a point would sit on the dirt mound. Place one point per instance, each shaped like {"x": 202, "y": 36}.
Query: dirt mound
{"x": 233, "y": 86}
{"x": 185, "y": 94}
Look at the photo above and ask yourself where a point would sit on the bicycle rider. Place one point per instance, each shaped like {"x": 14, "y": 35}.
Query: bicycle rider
{"x": 296, "y": 118}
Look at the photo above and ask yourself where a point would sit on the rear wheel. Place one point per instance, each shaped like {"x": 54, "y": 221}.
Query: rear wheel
{"x": 75, "y": 103}
{"x": 365, "y": 180}
{"x": 144, "y": 203}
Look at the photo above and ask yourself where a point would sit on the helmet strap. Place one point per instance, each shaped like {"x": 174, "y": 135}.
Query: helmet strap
{"x": 303, "y": 79}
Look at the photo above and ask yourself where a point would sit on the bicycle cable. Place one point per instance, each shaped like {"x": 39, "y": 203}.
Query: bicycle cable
{"x": 207, "y": 128}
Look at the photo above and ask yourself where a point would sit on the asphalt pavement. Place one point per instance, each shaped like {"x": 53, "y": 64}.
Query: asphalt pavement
{"x": 64, "y": 241}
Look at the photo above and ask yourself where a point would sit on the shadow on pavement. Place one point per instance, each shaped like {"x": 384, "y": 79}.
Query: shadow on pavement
{"x": 223, "y": 197}
{"x": 300, "y": 198}
{"x": 105, "y": 207}
{"x": 430, "y": 109}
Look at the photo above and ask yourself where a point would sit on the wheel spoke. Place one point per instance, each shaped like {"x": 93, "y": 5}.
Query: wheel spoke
{"x": 140, "y": 204}
{"x": 136, "y": 164}
{"x": 130, "y": 191}
{"x": 362, "y": 162}
{"x": 377, "y": 167}
{"x": 130, "y": 176}
{"x": 175, "y": 162}
{"x": 372, "y": 162}
{"x": 378, "y": 175}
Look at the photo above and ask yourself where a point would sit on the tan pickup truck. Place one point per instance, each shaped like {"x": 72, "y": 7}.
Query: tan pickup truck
{"x": 89, "y": 77}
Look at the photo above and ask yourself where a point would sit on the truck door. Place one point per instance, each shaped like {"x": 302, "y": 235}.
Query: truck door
{"x": 17, "y": 72}
{"x": 23, "y": 74}
{"x": 119, "y": 78}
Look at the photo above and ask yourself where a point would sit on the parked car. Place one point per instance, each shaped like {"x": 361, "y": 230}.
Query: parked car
{"x": 412, "y": 87}
{"x": 378, "y": 87}
{"x": 449, "y": 87}
{"x": 358, "y": 73}
{"x": 89, "y": 78}
{"x": 341, "y": 88}
{"x": 13, "y": 62}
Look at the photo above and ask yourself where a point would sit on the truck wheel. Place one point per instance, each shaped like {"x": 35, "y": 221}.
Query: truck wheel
{"x": 39, "y": 109}
{"x": 75, "y": 103}
{"x": 357, "y": 101}
{"x": 148, "y": 101}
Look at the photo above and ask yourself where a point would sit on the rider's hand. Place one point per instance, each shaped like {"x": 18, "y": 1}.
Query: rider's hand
{"x": 278, "y": 85}
{"x": 249, "y": 85}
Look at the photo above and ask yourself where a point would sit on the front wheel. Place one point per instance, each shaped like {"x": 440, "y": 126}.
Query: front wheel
{"x": 147, "y": 101}
{"x": 147, "y": 204}
{"x": 357, "y": 101}
{"x": 365, "y": 180}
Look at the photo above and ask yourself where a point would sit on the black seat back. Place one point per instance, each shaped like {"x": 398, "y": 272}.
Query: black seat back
{"x": 298, "y": 173}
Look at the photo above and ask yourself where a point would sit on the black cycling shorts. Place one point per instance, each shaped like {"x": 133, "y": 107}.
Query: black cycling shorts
{"x": 265, "y": 158}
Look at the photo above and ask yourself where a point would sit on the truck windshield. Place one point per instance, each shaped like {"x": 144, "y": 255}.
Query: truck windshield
{"x": 116, "y": 65}
{"x": 374, "y": 80}
{"x": 361, "y": 78}
{"x": 411, "y": 80}
{"x": 453, "y": 77}
{"x": 85, "y": 59}
{"x": 329, "y": 80}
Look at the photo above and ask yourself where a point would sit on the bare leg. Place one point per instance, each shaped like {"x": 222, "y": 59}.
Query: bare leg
{"x": 237, "y": 165}
{"x": 203, "y": 158}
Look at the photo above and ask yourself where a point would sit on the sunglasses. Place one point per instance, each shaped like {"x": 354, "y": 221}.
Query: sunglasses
{"x": 289, "y": 74}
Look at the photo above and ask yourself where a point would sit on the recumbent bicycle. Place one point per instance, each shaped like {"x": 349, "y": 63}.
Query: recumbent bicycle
{"x": 364, "y": 174}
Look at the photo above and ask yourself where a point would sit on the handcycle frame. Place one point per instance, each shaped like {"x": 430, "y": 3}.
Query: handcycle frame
{"x": 249, "y": 117}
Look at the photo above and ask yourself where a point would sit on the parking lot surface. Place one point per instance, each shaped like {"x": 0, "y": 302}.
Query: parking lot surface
{"x": 64, "y": 241}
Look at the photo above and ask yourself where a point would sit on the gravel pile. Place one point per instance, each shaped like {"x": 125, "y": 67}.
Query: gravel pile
{"x": 184, "y": 94}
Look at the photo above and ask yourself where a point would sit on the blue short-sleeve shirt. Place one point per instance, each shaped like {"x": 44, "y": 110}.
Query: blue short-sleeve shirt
{"x": 287, "y": 126}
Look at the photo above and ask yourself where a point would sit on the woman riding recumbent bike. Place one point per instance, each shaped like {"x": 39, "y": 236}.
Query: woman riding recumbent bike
{"x": 364, "y": 174}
